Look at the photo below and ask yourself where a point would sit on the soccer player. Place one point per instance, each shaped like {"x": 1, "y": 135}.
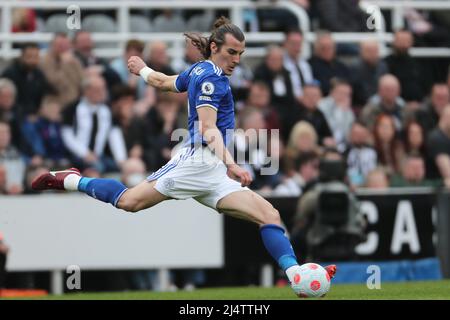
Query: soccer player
{"x": 203, "y": 169}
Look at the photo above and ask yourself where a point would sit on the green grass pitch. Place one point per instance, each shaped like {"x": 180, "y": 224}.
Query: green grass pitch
{"x": 389, "y": 291}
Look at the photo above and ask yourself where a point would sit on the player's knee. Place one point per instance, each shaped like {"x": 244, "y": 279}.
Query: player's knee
{"x": 129, "y": 204}
{"x": 271, "y": 216}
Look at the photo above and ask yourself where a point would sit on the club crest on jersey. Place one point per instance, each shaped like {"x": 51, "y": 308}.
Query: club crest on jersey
{"x": 207, "y": 88}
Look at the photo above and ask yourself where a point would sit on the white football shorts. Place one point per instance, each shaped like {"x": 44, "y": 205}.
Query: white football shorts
{"x": 195, "y": 173}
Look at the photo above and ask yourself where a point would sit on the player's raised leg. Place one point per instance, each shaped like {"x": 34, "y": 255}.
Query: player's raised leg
{"x": 142, "y": 196}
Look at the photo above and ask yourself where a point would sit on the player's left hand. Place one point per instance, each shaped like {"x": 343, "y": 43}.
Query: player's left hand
{"x": 135, "y": 64}
{"x": 237, "y": 173}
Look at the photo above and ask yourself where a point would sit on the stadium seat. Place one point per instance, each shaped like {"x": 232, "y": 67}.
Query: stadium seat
{"x": 99, "y": 23}
{"x": 56, "y": 23}
{"x": 174, "y": 24}
{"x": 140, "y": 23}
{"x": 201, "y": 22}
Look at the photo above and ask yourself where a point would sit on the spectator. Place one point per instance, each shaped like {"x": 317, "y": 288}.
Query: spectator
{"x": 88, "y": 128}
{"x": 324, "y": 63}
{"x": 31, "y": 83}
{"x": 273, "y": 18}
{"x": 387, "y": 101}
{"x": 377, "y": 179}
{"x": 429, "y": 30}
{"x": 160, "y": 122}
{"x": 367, "y": 72}
{"x": 3, "y": 257}
{"x": 302, "y": 140}
{"x": 8, "y": 110}
{"x": 298, "y": 67}
{"x": 439, "y": 148}
{"x": 389, "y": 148}
{"x": 361, "y": 156}
{"x": 63, "y": 70}
{"x": 412, "y": 174}
{"x": 240, "y": 82}
{"x": 158, "y": 59}
{"x": 83, "y": 49}
{"x": 133, "y": 172}
{"x": 45, "y": 136}
{"x": 341, "y": 15}
{"x": 428, "y": 115}
{"x": 309, "y": 111}
{"x": 191, "y": 56}
{"x": 307, "y": 170}
{"x": 259, "y": 98}
{"x": 133, "y": 127}
{"x": 120, "y": 66}
{"x": 414, "y": 139}
{"x": 337, "y": 109}
{"x": 404, "y": 67}
{"x": 274, "y": 74}
{"x": 12, "y": 161}
{"x": 251, "y": 149}
{"x": 23, "y": 20}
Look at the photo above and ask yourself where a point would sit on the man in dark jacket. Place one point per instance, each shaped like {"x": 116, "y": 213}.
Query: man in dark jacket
{"x": 428, "y": 115}
{"x": 309, "y": 111}
{"x": 30, "y": 81}
{"x": 404, "y": 67}
{"x": 273, "y": 73}
{"x": 341, "y": 15}
{"x": 324, "y": 64}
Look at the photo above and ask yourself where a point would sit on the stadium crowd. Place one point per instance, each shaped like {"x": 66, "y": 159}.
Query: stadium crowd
{"x": 68, "y": 107}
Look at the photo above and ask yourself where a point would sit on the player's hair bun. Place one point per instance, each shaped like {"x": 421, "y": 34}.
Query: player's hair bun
{"x": 220, "y": 22}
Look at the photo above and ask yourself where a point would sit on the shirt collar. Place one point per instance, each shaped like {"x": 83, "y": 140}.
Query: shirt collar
{"x": 217, "y": 69}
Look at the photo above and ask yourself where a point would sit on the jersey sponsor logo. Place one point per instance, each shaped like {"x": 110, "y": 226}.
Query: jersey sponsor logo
{"x": 207, "y": 88}
{"x": 204, "y": 98}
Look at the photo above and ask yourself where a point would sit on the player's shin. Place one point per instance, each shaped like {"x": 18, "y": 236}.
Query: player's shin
{"x": 106, "y": 190}
{"x": 279, "y": 248}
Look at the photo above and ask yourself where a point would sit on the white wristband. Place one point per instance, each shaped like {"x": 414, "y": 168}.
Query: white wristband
{"x": 144, "y": 72}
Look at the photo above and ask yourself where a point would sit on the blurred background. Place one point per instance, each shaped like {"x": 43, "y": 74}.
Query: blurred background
{"x": 360, "y": 93}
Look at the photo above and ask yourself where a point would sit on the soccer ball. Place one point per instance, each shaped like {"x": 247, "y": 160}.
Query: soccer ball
{"x": 311, "y": 280}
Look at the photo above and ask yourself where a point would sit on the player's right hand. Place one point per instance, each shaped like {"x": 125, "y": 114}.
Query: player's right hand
{"x": 135, "y": 64}
{"x": 237, "y": 173}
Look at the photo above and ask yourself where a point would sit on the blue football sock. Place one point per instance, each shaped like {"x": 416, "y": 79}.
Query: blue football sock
{"x": 106, "y": 190}
{"x": 278, "y": 245}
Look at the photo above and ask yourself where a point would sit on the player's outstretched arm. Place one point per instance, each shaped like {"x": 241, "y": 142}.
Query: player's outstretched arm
{"x": 213, "y": 137}
{"x": 156, "y": 79}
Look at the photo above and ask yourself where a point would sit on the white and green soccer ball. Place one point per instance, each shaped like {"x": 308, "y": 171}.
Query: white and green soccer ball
{"x": 311, "y": 281}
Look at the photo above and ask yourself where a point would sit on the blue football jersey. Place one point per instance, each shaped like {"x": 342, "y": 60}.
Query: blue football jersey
{"x": 206, "y": 84}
